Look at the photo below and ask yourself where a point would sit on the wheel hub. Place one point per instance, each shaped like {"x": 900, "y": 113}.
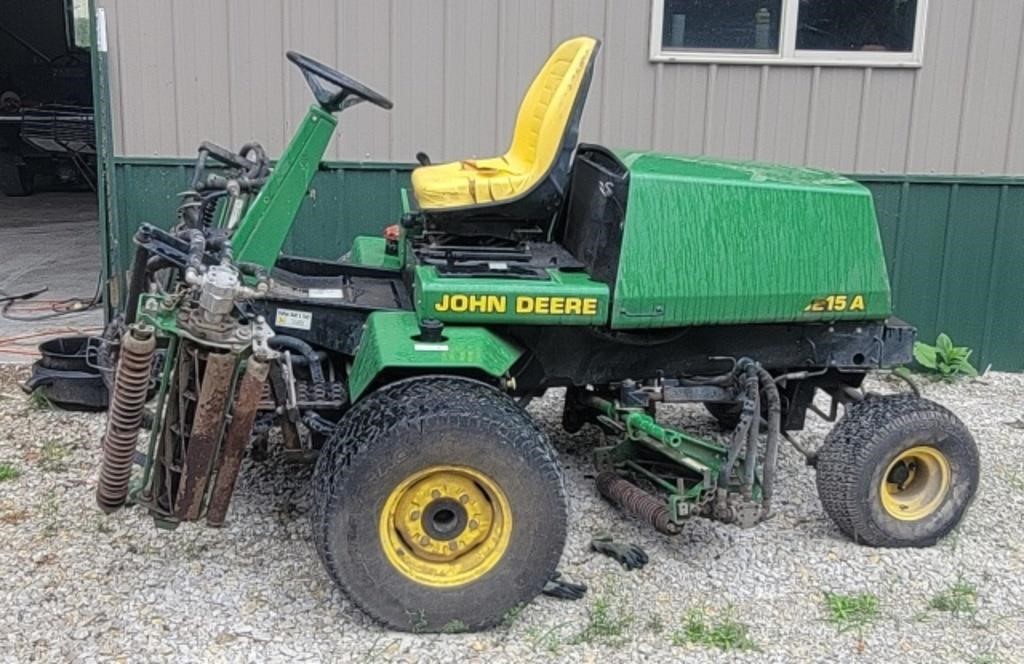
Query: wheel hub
{"x": 445, "y": 525}
{"x": 916, "y": 483}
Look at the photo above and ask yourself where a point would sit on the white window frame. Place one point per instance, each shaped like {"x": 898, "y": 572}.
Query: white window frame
{"x": 788, "y": 53}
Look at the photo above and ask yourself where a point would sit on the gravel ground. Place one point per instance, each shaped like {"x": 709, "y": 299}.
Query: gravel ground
{"x": 79, "y": 586}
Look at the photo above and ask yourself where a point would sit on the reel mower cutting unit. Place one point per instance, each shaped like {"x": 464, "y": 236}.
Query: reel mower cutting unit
{"x": 629, "y": 279}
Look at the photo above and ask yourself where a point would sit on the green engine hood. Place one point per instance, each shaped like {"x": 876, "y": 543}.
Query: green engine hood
{"x": 714, "y": 242}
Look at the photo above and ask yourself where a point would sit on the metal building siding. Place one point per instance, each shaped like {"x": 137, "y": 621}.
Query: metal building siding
{"x": 185, "y": 70}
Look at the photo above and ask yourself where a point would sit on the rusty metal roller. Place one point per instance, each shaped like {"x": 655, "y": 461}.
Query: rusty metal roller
{"x": 636, "y": 502}
{"x": 237, "y": 439}
{"x": 131, "y": 383}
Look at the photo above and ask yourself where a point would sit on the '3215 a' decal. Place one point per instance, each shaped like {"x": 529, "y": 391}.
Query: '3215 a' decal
{"x": 836, "y": 303}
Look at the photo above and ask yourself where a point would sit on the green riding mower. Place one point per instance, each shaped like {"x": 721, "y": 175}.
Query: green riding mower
{"x": 628, "y": 279}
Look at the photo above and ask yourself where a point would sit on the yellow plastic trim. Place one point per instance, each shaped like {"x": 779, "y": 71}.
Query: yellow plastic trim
{"x": 466, "y": 556}
{"x": 926, "y": 486}
{"x": 536, "y": 141}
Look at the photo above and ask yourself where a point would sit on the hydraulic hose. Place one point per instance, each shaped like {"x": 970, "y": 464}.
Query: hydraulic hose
{"x": 771, "y": 453}
{"x": 753, "y": 433}
{"x": 316, "y": 369}
{"x": 742, "y": 432}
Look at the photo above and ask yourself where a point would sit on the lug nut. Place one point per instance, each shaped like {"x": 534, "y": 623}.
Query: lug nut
{"x": 415, "y": 515}
{"x": 473, "y": 525}
{"x": 464, "y": 498}
{"x": 435, "y": 494}
{"x": 453, "y": 545}
{"x": 425, "y": 541}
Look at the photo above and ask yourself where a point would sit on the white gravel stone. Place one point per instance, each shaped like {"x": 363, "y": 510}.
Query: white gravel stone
{"x": 76, "y": 585}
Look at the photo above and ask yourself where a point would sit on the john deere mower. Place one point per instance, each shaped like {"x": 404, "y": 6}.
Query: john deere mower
{"x": 628, "y": 279}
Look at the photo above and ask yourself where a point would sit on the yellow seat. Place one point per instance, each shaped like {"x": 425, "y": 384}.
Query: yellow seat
{"x": 548, "y": 116}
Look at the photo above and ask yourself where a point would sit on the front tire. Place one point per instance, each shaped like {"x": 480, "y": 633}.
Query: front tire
{"x": 897, "y": 471}
{"x": 439, "y": 505}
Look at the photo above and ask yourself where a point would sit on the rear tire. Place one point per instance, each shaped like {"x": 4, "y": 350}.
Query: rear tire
{"x": 394, "y": 540}
{"x": 897, "y": 471}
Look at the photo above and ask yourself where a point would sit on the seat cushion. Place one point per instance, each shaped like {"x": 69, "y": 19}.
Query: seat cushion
{"x": 470, "y": 182}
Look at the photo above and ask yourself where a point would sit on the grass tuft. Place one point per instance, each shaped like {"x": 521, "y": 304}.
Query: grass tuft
{"x": 53, "y": 457}
{"x": 851, "y": 612}
{"x": 605, "y": 623}
{"x": 38, "y": 401}
{"x": 726, "y": 634}
{"x": 960, "y": 599}
{"x": 511, "y": 616}
{"x": 8, "y": 473}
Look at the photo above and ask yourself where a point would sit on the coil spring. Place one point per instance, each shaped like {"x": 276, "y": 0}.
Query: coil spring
{"x": 131, "y": 383}
{"x": 636, "y": 502}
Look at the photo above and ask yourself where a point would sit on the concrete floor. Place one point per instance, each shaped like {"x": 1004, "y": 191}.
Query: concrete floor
{"x": 48, "y": 239}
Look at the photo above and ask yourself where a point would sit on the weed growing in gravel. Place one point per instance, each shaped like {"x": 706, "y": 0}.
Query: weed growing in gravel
{"x": 549, "y": 639}
{"x": 53, "y": 457}
{"x": 947, "y": 361}
{"x": 726, "y": 634}
{"x": 49, "y": 512}
{"x": 1014, "y": 479}
{"x": 960, "y": 599}
{"x": 38, "y": 401}
{"x": 851, "y": 612}
{"x": 655, "y": 624}
{"x": 8, "y": 473}
{"x": 417, "y": 621}
{"x": 607, "y": 621}
{"x": 102, "y": 525}
{"x": 512, "y": 615}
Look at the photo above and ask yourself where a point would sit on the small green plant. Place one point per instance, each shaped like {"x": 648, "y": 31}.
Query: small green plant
{"x": 726, "y": 634}
{"x": 8, "y": 473}
{"x": 417, "y": 621}
{"x": 455, "y": 627}
{"x": 549, "y": 639}
{"x": 38, "y": 401}
{"x": 655, "y": 625}
{"x": 512, "y": 615}
{"x": 53, "y": 457}
{"x": 1014, "y": 479}
{"x": 49, "y": 511}
{"x": 605, "y": 623}
{"x": 960, "y": 599}
{"x": 948, "y": 361}
{"x": 851, "y": 612}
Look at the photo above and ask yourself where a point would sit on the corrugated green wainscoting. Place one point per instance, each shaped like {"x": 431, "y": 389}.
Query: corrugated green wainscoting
{"x": 955, "y": 246}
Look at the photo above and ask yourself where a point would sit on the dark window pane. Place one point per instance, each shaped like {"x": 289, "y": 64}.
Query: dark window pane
{"x": 735, "y": 25}
{"x": 864, "y": 25}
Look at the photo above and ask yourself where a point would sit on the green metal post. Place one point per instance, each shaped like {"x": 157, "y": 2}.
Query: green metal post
{"x": 262, "y": 231}
{"x": 112, "y": 277}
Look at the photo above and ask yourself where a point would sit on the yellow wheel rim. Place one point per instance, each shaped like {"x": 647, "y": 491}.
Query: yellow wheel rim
{"x": 915, "y": 483}
{"x": 445, "y": 526}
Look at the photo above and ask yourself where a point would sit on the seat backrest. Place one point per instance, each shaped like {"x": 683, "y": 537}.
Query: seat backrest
{"x": 546, "y": 113}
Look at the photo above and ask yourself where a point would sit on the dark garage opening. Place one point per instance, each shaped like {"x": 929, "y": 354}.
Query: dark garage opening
{"x": 49, "y": 233}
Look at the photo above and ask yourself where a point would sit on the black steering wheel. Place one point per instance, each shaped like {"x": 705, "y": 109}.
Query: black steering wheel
{"x": 349, "y": 91}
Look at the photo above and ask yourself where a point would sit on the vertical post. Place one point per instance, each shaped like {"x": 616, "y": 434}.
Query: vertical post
{"x": 110, "y": 273}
